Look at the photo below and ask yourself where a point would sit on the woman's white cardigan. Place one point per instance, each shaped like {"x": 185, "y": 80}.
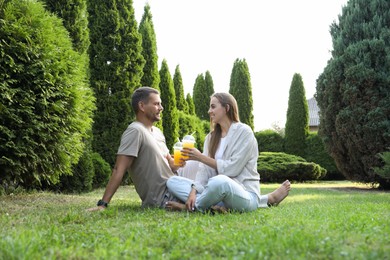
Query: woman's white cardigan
{"x": 239, "y": 160}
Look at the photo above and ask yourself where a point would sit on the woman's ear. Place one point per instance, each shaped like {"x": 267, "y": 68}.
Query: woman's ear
{"x": 227, "y": 107}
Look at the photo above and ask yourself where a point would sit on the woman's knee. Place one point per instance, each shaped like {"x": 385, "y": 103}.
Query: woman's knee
{"x": 218, "y": 181}
{"x": 172, "y": 182}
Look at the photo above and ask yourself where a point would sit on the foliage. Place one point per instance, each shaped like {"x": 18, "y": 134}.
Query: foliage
{"x": 168, "y": 98}
{"x": 116, "y": 65}
{"x": 189, "y": 124}
{"x": 353, "y": 91}
{"x": 181, "y": 102}
{"x": 277, "y": 167}
{"x": 75, "y": 19}
{"x": 74, "y": 16}
{"x": 316, "y": 152}
{"x": 201, "y": 97}
{"x": 326, "y": 220}
{"x": 151, "y": 77}
{"x": 297, "y": 123}
{"x": 45, "y": 102}
{"x": 241, "y": 89}
{"x": 82, "y": 175}
{"x": 384, "y": 171}
{"x": 269, "y": 141}
{"x": 102, "y": 171}
{"x": 190, "y": 103}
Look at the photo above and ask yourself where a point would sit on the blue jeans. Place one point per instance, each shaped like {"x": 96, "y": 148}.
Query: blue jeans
{"x": 219, "y": 189}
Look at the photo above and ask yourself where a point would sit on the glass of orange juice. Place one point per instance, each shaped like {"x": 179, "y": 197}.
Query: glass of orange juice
{"x": 177, "y": 147}
{"x": 188, "y": 142}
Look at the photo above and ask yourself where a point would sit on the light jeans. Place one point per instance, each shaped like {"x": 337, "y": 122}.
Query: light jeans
{"x": 219, "y": 189}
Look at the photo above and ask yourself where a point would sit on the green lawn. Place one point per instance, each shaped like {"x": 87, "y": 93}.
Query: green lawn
{"x": 327, "y": 220}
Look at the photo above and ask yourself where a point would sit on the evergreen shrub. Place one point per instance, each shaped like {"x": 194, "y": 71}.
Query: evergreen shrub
{"x": 102, "y": 171}
{"x": 315, "y": 152}
{"x": 277, "y": 167}
{"x": 189, "y": 124}
{"x": 269, "y": 141}
{"x": 45, "y": 102}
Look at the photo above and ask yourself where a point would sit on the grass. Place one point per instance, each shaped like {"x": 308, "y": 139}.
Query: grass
{"x": 325, "y": 220}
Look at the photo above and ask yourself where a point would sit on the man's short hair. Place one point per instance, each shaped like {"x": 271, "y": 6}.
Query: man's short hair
{"x": 141, "y": 94}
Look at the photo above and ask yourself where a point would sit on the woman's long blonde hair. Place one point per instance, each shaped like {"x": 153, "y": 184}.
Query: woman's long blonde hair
{"x": 230, "y": 104}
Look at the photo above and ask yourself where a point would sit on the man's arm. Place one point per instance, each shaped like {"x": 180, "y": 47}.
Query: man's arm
{"x": 123, "y": 163}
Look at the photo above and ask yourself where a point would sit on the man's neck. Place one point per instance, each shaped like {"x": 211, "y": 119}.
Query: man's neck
{"x": 148, "y": 125}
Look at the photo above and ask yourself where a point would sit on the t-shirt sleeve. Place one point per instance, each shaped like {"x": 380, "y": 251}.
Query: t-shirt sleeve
{"x": 130, "y": 142}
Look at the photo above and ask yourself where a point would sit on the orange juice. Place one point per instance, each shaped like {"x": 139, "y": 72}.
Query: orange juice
{"x": 177, "y": 156}
{"x": 188, "y": 142}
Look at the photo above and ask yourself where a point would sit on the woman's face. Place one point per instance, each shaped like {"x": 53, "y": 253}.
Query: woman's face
{"x": 216, "y": 111}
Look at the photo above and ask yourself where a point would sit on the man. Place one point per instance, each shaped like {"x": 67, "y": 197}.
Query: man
{"x": 143, "y": 151}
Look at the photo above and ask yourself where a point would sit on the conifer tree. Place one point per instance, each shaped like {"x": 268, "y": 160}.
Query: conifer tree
{"x": 75, "y": 19}
{"x": 297, "y": 123}
{"x": 116, "y": 65}
{"x": 241, "y": 89}
{"x": 179, "y": 91}
{"x": 209, "y": 84}
{"x": 353, "y": 91}
{"x": 45, "y": 103}
{"x": 151, "y": 77}
{"x": 201, "y": 98}
{"x": 168, "y": 98}
{"x": 190, "y": 103}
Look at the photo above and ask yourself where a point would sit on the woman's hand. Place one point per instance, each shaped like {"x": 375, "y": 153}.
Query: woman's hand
{"x": 192, "y": 154}
{"x": 190, "y": 203}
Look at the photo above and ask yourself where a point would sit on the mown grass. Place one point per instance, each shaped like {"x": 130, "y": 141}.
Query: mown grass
{"x": 327, "y": 220}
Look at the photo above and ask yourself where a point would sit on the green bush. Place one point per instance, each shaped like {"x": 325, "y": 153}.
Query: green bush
{"x": 45, "y": 102}
{"x": 277, "y": 167}
{"x": 315, "y": 152}
{"x": 269, "y": 141}
{"x": 189, "y": 124}
{"x": 102, "y": 171}
{"x": 82, "y": 175}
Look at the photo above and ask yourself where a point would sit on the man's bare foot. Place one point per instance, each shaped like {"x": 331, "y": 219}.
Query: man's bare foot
{"x": 275, "y": 197}
{"x": 173, "y": 205}
{"x": 220, "y": 209}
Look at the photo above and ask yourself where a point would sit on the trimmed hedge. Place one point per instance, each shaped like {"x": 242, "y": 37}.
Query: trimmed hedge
{"x": 269, "y": 141}
{"x": 277, "y": 167}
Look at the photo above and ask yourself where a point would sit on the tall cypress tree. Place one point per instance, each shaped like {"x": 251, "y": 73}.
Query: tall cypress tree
{"x": 45, "y": 102}
{"x": 201, "y": 98}
{"x": 74, "y": 16}
{"x": 241, "y": 89}
{"x": 75, "y": 19}
{"x": 151, "y": 75}
{"x": 190, "y": 103}
{"x": 209, "y": 84}
{"x": 168, "y": 98}
{"x": 297, "y": 123}
{"x": 179, "y": 91}
{"x": 116, "y": 65}
{"x": 353, "y": 91}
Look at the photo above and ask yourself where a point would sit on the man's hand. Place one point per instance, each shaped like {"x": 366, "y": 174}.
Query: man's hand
{"x": 172, "y": 165}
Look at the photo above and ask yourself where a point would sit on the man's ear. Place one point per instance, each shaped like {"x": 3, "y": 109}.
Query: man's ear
{"x": 141, "y": 106}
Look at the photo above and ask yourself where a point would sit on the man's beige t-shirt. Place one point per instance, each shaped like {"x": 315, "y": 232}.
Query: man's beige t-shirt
{"x": 150, "y": 169}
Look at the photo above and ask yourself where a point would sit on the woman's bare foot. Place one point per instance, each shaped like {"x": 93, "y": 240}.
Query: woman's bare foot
{"x": 275, "y": 197}
{"x": 173, "y": 205}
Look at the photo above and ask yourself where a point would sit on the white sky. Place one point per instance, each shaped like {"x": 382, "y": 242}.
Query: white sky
{"x": 276, "y": 38}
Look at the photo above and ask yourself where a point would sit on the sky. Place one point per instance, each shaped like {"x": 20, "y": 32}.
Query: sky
{"x": 276, "y": 38}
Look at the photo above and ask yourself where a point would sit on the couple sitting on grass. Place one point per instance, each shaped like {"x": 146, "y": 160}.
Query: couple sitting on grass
{"x": 225, "y": 173}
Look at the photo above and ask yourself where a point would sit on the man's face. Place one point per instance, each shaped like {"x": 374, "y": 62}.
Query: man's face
{"x": 153, "y": 108}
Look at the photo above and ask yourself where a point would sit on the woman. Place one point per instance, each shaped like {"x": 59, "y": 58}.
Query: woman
{"x": 228, "y": 167}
